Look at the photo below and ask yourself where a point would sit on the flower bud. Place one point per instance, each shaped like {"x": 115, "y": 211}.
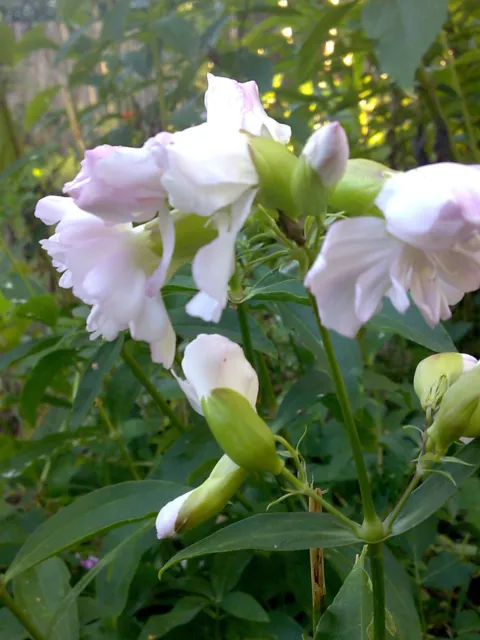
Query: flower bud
{"x": 435, "y": 374}
{"x": 195, "y": 507}
{"x": 455, "y": 417}
{"x": 240, "y": 431}
{"x": 275, "y": 165}
{"x": 326, "y": 152}
{"x": 359, "y": 187}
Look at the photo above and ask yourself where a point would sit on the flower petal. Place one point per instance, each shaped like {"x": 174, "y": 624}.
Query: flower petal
{"x": 167, "y": 518}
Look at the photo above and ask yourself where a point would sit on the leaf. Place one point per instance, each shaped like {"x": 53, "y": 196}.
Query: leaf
{"x": 33, "y": 40}
{"x": 412, "y": 326}
{"x": 115, "y": 20}
{"x": 10, "y": 627}
{"x": 7, "y": 44}
{"x": 330, "y": 17}
{"x": 436, "y": 490}
{"x": 39, "y": 380}
{"x": 272, "y": 532}
{"x": 180, "y": 35}
{"x": 351, "y": 612}
{"x": 242, "y": 605}
{"x": 38, "y": 107}
{"x": 42, "y": 308}
{"x": 91, "y": 383}
{"x": 26, "y": 349}
{"x": 185, "y": 610}
{"x": 227, "y": 570}
{"x": 278, "y": 287}
{"x": 92, "y": 514}
{"x": 400, "y": 601}
{"x": 403, "y": 30}
{"x": 39, "y": 592}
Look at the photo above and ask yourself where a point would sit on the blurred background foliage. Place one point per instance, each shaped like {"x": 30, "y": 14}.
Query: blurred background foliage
{"x": 403, "y": 78}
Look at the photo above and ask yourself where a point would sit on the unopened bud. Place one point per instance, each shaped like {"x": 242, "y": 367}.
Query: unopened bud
{"x": 195, "y": 507}
{"x": 327, "y": 151}
{"x": 275, "y": 165}
{"x": 455, "y": 415}
{"x": 359, "y": 187}
{"x": 240, "y": 431}
{"x": 435, "y": 374}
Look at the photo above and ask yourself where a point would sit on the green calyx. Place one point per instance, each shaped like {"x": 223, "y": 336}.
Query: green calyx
{"x": 309, "y": 192}
{"x": 240, "y": 431}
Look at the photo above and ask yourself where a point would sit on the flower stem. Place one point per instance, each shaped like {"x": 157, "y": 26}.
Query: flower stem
{"x": 242, "y": 315}
{"x": 10, "y": 603}
{"x": 369, "y": 512}
{"x": 118, "y": 439}
{"x": 155, "y": 394}
{"x": 378, "y": 582}
{"x": 306, "y": 490}
{"x": 472, "y": 138}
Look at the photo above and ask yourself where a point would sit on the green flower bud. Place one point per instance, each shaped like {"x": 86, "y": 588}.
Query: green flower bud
{"x": 435, "y": 374}
{"x": 195, "y": 507}
{"x": 356, "y": 192}
{"x": 275, "y": 165}
{"x": 455, "y": 416}
{"x": 240, "y": 431}
{"x": 310, "y": 193}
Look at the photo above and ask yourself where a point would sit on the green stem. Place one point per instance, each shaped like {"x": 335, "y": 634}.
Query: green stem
{"x": 267, "y": 394}
{"x": 368, "y": 363}
{"x": 10, "y": 603}
{"x": 369, "y": 512}
{"x": 118, "y": 439}
{"x": 157, "y": 67}
{"x": 378, "y": 583}
{"x": 311, "y": 493}
{"x": 155, "y": 394}
{"x": 472, "y": 138}
{"x": 245, "y": 331}
{"x": 390, "y": 519}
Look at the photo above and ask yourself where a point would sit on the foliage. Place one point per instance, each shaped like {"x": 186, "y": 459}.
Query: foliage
{"x": 91, "y": 446}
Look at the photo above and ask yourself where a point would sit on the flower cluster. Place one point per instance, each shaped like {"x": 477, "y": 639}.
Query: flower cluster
{"x": 113, "y": 265}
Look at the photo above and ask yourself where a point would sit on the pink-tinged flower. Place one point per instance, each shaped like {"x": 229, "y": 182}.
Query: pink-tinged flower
{"x": 88, "y": 563}
{"x": 213, "y": 361}
{"x": 361, "y": 262}
{"x": 236, "y": 106}
{"x": 327, "y": 151}
{"x": 122, "y": 184}
{"x": 432, "y": 207}
{"x": 112, "y": 268}
{"x": 211, "y": 173}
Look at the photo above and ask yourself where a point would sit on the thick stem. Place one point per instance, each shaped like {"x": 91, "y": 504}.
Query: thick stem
{"x": 245, "y": 331}
{"x": 378, "y": 582}
{"x": 472, "y": 137}
{"x": 369, "y": 512}
{"x": 306, "y": 490}
{"x": 118, "y": 439}
{"x": 155, "y": 394}
{"x": 10, "y": 603}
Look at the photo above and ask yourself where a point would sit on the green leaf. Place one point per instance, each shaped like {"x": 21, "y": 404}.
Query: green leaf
{"x": 10, "y": 627}
{"x": 180, "y": 35}
{"x": 272, "y": 532}
{"x": 242, "y": 605}
{"x": 42, "y": 308}
{"x": 91, "y": 384}
{"x": 412, "y": 326}
{"x": 436, "y": 490}
{"x": 39, "y": 380}
{"x": 403, "y": 30}
{"x": 312, "y": 49}
{"x": 33, "y": 40}
{"x": 38, "y": 106}
{"x": 91, "y": 515}
{"x": 351, "y": 612}
{"x": 7, "y": 44}
{"x": 278, "y": 287}
{"x": 115, "y": 20}
{"x": 400, "y": 601}
{"x": 26, "y": 349}
{"x": 227, "y": 570}
{"x": 185, "y": 610}
{"x": 39, "y": 592}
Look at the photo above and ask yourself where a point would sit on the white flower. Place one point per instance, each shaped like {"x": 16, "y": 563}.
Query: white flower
{"x": 210, "y": 173}
{"x": 360, "y": 262}
{"x": 327, "y": 151}
{"x": 112, "y": 268}
{"x": 213, "y": 361}
{"x": 237, "y": 105}
{"x": 122, "y": 184}
{"x": 168, "y": 523}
